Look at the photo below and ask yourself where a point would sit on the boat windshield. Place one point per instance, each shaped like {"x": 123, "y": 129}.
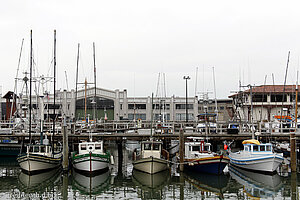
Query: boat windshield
{"x": 152, "y": 146}
{"x": 98, "y": 146}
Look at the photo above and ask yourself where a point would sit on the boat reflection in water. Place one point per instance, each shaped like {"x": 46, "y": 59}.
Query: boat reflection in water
{"x": 257, "y": 185}
{"x": 150, "y": 185}
{"x": 38, "y": 182}
{"x": 90, "y": 184}
{"x": 216, "y": 184}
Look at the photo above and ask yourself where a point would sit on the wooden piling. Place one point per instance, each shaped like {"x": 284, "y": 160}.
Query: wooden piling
{"x": 293, "y": 152}
{"x": 181, "y": 150}
{"x": 65, "y": 163}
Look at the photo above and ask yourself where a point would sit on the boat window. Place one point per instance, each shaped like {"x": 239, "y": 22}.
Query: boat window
{"x": 91, "y": 147}
{"x": 147, "y": 146}
{"x": 36, "y": 149}
{"x": 42, "y": 149}
{"x": 98, "y": 146}
{"x": 30, "y": 149}
{"x": 83, "y": 147}
{"x": 156, "y": 146}
{"x": 206, "y": 148}
{"x": 50, "y": 150}
{"x": 246, "y": 148}
{"x": 268, "y": 148}
{"x": 255, "y": 148}
{"x": 195, "y": 148}
{"x": 262, "y": 148}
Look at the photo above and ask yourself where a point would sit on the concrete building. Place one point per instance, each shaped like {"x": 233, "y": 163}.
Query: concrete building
{"x": 268, "y": 101}
{"x": 116, "y": 105}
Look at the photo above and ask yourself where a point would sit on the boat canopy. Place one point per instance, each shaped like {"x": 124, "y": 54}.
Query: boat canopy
{"x": 252, "y": 141}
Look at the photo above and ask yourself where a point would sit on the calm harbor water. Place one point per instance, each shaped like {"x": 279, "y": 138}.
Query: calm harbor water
{"x": 123, "y": 183}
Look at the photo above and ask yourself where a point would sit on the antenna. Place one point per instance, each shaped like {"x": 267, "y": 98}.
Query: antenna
{"x": 196, "y": 81}
{"x": 67, "y": 80}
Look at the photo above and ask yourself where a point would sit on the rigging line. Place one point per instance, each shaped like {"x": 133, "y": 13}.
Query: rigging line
{"x": 263, "y": 96}
{"x": 16, "y": 81}
{"x": 157, "y": 86}
{"x": 287, "y": 65}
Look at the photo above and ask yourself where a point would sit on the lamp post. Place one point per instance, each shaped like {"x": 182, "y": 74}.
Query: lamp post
{"x": 186, "y": 98}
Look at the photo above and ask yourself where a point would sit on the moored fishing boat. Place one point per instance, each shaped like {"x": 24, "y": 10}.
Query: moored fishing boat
{"x": 39, "y": 158}
{"x": 199, "y": 157}
{"x": 153, "y": 158}
{"x": 256, "y": 156}
{"x": 91, "y": 158}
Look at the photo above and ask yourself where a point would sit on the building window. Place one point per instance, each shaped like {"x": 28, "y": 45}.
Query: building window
{"x": 278, "y": 98}
{"x": 182, "y": 106}
{"x": 137, "y": 106}
{"x": 259, "y": 98}
{"x": 137, "y": 116}
{"x": 121, "y": 106}
{"x": 161, "y": 106}
{"x": 182, "y": 116}
{"x": 221, "y": 107}
{"x": 161, "y": 117}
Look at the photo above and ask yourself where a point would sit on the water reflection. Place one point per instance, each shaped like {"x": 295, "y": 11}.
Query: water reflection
{"x": 90, "y": 185}
{"x": 38, "y": 182}
{"x": 150, "y": 186}
{"x": 217, "y": 184}
{"x": 256, "y": 184}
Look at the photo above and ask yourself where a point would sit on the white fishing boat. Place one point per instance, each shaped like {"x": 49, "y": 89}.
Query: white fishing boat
{"x": 152, "y": 159}
{"x": 91, "y": 158}
{"x": 199, "y": 157}
{"x": 39, "y": 158}
{"x": 256, "y": 156}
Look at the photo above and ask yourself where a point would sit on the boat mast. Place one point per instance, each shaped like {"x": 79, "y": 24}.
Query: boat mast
{"x": 16, "y": 82}
{"x": 95, "y": 102}
{"x": 286, "y": 70}
{"x": 54, "y": 65}
{"x": 85, "y": 88}
{"x": 215, "y": 91}
{"x": 30, "y": 86}
{"x": 77, "y": 77}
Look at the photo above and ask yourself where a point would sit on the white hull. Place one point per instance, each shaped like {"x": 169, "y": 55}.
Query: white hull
{"x": 150, "y": 165}
{"x": 90, "y": 164}
{"x": 268, "y": 163}
{"x": 34, "y": 163}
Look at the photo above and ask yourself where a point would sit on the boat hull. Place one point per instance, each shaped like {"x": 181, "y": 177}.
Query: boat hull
{"x": 211, "y": 165}
{"x": 32, "y": 164}
{"x": 91, "y": 163}
{"x": 264, "y": 164}
{"x": 150, "y": 165}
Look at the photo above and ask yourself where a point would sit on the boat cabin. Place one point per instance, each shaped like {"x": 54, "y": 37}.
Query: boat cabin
{"x": 86, "y": 147}
{"x": 151, "y": 149}
{"x": 193, "y": 148}
{"x": 39, "y": 149}
{"x": 258, "y": 148}
{"x": 255, "y": 146}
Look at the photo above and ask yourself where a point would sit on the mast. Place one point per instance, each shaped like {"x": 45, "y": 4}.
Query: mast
{"x": 77, "y": 76}
{"x": 215, "y": 91}
{"x": 30, "y": 87}
{"x": 95, "y": 102}
{"x": 16, "y": 81}
{"x": 54, "y": 85}
{"x": 85, "y": 88}
{"x": 286, "y": 70}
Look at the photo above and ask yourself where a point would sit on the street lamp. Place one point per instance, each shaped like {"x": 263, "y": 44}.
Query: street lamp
{"x": 186, "y": 97}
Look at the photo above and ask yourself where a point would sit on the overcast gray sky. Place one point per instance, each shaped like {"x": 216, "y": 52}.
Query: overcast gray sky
{"x": 137, "y": 40}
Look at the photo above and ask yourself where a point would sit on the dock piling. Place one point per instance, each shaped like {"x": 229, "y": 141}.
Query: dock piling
{"x": 181, "y": 150}
{"x": 65, "y": 147}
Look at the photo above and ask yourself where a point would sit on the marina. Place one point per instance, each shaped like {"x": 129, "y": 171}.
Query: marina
{"x": 149, "y": 100}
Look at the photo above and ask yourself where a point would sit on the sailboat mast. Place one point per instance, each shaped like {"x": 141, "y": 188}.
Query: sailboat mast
{"x": 30, "y": 87}
{"x": 77, "y": 76}
{"x": 54, "y": 85}
{"x": 85, "y": 88}
{"x": 95, "y": 102}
